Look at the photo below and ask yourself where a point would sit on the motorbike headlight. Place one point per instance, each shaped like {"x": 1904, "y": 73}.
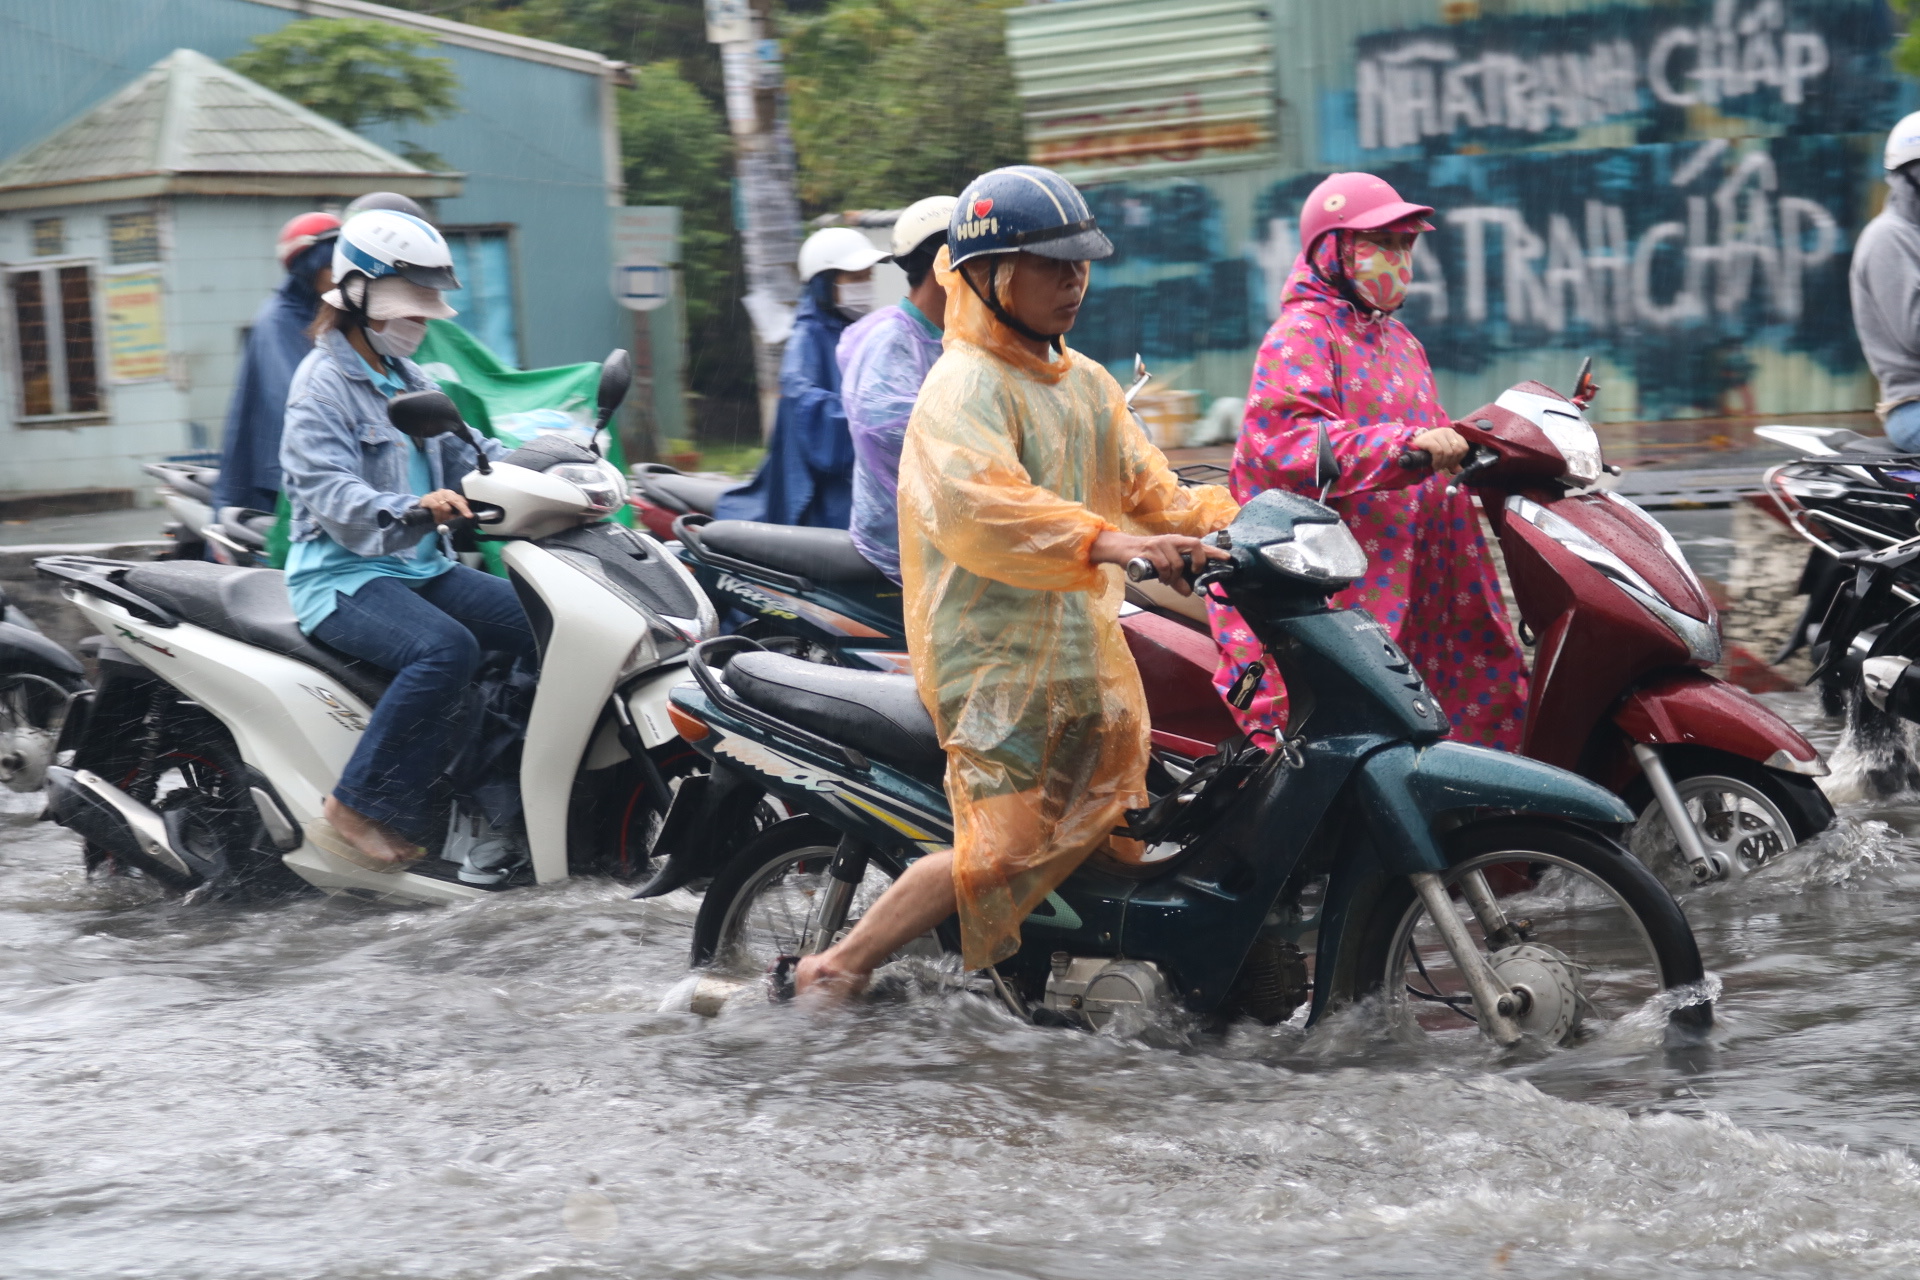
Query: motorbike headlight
{"x": 602, "y": 484}
{"x": 1320, "y": 553}
{"x": 1577, "y": 442}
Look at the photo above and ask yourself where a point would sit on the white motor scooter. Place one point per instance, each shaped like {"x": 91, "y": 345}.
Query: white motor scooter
{"x": 218, "y": 727}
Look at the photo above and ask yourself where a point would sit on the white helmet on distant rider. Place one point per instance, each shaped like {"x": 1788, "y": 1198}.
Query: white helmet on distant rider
{"x": 837, "y": 249}
{"x": 1903, "y": 144}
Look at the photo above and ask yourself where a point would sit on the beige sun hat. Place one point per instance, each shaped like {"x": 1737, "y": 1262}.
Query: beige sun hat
{"x": 392, "y": 298}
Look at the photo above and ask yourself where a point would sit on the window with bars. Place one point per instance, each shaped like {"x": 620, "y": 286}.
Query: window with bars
{"x": 55, "y": 352}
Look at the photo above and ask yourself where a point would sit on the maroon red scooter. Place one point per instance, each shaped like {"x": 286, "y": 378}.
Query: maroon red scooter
{"x": 1623, "y": 633}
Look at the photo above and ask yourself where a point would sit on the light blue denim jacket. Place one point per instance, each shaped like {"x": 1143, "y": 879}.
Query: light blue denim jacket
{"x": 343, "y": 463}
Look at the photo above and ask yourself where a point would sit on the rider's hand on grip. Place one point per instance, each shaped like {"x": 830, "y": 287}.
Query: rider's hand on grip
{"x": 411, "y": 518}
{"x": 1445, "y": 448}
{"x": 1171, "y": 557}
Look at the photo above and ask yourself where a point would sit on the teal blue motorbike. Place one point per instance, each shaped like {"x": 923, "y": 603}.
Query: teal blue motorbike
{"x": 1462, "y": 891}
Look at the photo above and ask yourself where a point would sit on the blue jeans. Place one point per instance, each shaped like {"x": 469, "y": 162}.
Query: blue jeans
{"x": 1903, "y": 427}
{"x": 430, "y": 635}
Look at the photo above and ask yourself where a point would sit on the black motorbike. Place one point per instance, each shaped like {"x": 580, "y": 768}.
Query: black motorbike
{"x": 39, "y": 683}
{"x": 1849, "y": 497}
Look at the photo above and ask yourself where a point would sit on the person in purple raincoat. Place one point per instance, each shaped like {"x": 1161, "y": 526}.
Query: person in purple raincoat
{"x": 884, "y": 358}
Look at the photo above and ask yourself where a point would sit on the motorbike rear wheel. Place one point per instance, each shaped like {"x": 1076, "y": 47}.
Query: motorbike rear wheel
{"x": 760, "y": 906}
{"x": 1595, "y": 939}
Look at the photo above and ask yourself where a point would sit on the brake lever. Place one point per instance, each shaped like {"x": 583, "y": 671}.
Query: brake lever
{"x": 1480, "y": 458}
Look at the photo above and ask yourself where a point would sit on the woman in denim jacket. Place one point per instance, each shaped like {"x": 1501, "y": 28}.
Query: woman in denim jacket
{"x": 385, "y": 593}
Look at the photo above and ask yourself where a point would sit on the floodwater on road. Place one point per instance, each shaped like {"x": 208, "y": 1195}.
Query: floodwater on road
{"x": 329, "y": 1089}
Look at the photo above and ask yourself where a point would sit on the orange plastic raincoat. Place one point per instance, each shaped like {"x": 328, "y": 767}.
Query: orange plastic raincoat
{"x": 1013, "y": 465}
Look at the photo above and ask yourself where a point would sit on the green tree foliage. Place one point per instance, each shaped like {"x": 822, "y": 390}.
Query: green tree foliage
{"x": 1906, "y": 54}
{"x": 354, "y": 71}
{"x": 893, "y": 100}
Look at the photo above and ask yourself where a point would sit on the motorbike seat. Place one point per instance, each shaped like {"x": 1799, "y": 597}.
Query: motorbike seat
{"x": 878, "y": 714}
{"x": 682, "y": 494}
{"x": 252, "y": 606}
{"x": 1876, "y": 446}
{"x": 824, "y": 555}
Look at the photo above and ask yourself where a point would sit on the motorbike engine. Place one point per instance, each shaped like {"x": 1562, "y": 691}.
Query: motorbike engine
{"x": 1093, "y": 990}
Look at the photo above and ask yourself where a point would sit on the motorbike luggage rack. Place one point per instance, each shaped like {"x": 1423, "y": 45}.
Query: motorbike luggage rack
{"x": 683, "y": 529}
{"x": 1203, "y": 473}
{"x": 101, "y": 577}
{"x": 724, "y": 648}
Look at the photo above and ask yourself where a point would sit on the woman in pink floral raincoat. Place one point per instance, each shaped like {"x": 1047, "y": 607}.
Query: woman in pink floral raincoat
{"x": 1338, "y": 356}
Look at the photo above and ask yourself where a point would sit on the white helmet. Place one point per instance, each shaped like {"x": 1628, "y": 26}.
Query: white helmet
{"x": 1903, "y": 144}
{"x": 837, "y": 249}
{"x": 919, "y": 220}
{"x": 384, "y": 242}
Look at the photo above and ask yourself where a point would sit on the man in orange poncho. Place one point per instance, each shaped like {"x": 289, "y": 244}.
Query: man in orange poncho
{"x": 1024, "y": 485}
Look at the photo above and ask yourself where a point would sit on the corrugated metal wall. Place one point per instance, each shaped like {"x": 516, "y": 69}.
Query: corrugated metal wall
{"x": 1671, "y": 187}
{"x": 1126, "y": 87}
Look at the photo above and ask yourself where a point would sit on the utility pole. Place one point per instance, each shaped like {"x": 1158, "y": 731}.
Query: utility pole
{"x": 763, "y": 151}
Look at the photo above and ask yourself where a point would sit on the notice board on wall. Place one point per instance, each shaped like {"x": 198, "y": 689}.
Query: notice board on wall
{"x": 136, "y": 330}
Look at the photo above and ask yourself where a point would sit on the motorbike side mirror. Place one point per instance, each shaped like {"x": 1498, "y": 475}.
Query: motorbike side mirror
{"x": 1585, "y": 389}
{"x": 426, "y": 414}
{"x": 1326, "y": 466}
{"x": 616, "y": 379}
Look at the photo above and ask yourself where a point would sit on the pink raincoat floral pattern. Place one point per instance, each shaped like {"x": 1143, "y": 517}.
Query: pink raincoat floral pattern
{"x": 1430, "y": 578}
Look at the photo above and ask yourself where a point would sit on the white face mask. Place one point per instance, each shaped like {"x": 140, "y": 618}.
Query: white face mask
{"x": 853, "y": 297}
{"x": 401, "y": 338}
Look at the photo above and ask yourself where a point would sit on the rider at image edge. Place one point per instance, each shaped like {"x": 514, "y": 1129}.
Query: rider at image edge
{"x": 1338, "y": 357}
{"x": 1885, "y": 280}
{"x": 1023, "y": 478}
{"x": 361, "y": 581}
{"x": 883, "y": 360}
{"x": 807, "y": 476}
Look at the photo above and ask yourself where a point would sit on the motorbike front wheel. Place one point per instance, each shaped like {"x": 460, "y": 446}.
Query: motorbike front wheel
{"x": 1583, "y": 932}
{"x": 1745, "y": 812}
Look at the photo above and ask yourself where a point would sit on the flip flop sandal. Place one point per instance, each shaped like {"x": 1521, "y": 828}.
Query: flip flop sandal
{"x": 326, "y": 836}
{"x": 780, "y": 979}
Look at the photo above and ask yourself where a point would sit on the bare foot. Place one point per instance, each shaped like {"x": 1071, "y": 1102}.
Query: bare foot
{"x": 374, "y": 839}
{"x": 820, "y": 973}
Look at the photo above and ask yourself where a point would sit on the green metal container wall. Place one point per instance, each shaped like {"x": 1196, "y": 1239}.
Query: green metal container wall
{"x": 1672, "y": 188}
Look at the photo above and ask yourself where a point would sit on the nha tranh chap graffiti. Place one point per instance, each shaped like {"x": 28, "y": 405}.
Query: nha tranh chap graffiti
{"x": 1511, "y": 81}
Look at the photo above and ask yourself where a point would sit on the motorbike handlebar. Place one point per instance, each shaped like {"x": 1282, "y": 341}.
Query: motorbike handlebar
{"x": 1140, "y": 569}
{"x": 1416, "y": 459}
{"x": 411, "y": 518}
{"x": 418, "y": 517}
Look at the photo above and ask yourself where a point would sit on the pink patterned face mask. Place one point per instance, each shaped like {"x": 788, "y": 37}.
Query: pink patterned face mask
{"x": 1380, "y": 275}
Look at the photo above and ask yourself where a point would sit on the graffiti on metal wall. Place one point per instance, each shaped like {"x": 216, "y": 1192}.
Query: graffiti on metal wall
{"x": 1676, "y": 260}
{"x": 1681, "y": 262}
{"x": 1809, "y": 66}
{"x": 1173, "y": 288}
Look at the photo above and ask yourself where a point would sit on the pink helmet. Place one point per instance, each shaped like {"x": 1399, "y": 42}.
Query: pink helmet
{"x": 1355, "y": 202}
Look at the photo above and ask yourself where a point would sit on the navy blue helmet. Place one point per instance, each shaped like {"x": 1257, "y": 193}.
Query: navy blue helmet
{"x": 1024, "y": 208}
